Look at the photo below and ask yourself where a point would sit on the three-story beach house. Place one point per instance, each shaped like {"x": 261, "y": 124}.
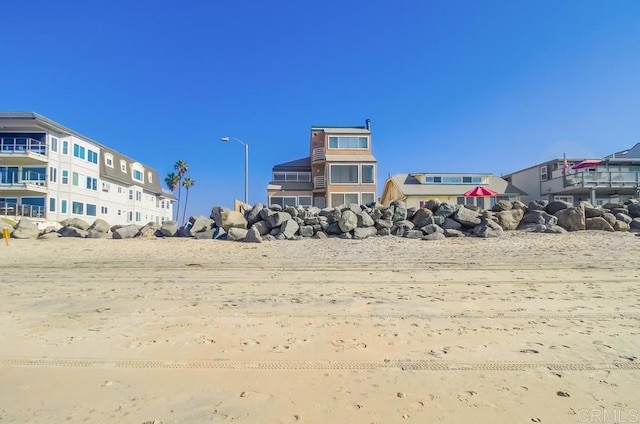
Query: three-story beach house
{"x": 340, "y": 169}
{"x": 50, "y": 172}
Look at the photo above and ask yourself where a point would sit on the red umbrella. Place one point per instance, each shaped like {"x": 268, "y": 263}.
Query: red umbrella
{"x": 480, "y": 192}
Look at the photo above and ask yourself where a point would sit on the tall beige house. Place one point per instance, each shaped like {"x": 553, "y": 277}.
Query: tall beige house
{"x": 340, "y": 169}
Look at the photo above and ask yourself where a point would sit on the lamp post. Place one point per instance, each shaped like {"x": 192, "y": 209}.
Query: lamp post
{"x": 246, "y": 165}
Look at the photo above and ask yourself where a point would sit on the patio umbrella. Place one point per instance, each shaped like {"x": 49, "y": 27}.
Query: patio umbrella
{"x": 588, "y": 163}
{"x": 480, "y": 191}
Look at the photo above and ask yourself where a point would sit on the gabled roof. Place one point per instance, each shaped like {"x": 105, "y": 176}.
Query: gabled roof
{"x": 410, "y": 186}
{"x": 298, "y": 165}
{"x": 632, "y": 153}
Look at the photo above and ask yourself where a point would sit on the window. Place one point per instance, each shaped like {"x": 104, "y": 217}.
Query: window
{"x": 304, "y": 200}
{"x": 433, "y": 180}
{"x": 348, "y": 142}
{"x": 123, "y": 166}
{"x": 78, "y": 151}
{"x": 137, "y": 175}
{"x": 75, "y": 179}
{"x": 130, "y": 216}
{"x": 460, "y": 200}
{"x": 344, "y": 174}
{"x": 92, "y": 183}
{"x": 65, "y": 176}
{"x": 119, "y": 189}
{"x": 451, "y": 180}
{"x": 367, "y": 175}
{"x": 52, "y": 204}
{"x": 104, "y": 210}
{"x": 150, "y": 176}
{"x": 543, "y": 173}
{"x": 92, "y": 156}
{"x": 138, "y": 216}
{"x": 568, "y": 199}
{"x": 108, "y": 160}
{"x": 54, "y": 145}
{"x": 368, "y": 198}
{"x": 343, "y": 199}
{"x": 130, "y": 194}
{"x": 91, "y": 209}
{"x": 119, "y": 212}
{"x": 480, "y": 202}
{"x": 53, "y": 174}
{"x": 138, "y": 196}
{"x": 65, "y": 147}
{"x": 106, "y": 186}
{"x": 282, "y": 200}
{"x": 63, "y": 206}
{"x": 292, "y": 176}
{"x": 77, "y": 208}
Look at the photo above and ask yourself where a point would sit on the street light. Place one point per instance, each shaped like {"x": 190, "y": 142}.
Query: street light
{"x": 246, "y": 165}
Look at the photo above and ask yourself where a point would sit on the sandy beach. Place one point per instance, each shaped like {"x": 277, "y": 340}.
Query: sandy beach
{"x": 525, "y": 328}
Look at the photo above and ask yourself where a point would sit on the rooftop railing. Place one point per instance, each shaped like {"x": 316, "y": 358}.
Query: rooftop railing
{"x": 603, "y": 179}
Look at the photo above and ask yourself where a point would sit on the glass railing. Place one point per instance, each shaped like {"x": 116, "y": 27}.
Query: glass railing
{"x": 596, "y": 178}
{"x": 15, "y": 209}
{"x": 22, "y": 145}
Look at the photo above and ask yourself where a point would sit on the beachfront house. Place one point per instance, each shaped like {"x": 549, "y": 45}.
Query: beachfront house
{"x": 340, "y": 169}
{"x": 482, "y": 190}
{"x": 49, "y": 172}
{"x": 612, "y": 179}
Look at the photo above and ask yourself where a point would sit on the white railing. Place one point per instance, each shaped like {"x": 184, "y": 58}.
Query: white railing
{"x": 14, "y": 145}
{"x": 317, "y": 154}
{"x": 319, "y": 182}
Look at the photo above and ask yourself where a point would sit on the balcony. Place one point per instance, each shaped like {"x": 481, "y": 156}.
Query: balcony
{"x": 602, "y": 179}
{"x": 15, "y": 150}
{"x": 318, "y": 154}
{"x": 20, "y": 210}
{"x": 319, "y": 182}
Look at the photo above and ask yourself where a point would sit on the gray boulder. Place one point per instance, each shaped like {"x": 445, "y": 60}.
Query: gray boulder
{"x": 348, "y": 221}
{"x": 49, "y": 236}
{"x": 199, "y": 224}
{"x": 621, "y": 226}
{"x": 432, "y": 228}
{"x": 383, "y": 223}
{"x": 253, "y": 215}
{"x": 276, "y": 219}
{"x": 400, "y": 211}
{"x": 624, "y": 218}
{"x": 421, "y": 217}
{"x": 591, "y": 212}
{"x": 204, "y": 235}
{"x": 72, "y": 232}
{"x": 76, "y": 223}
{"x": 466, "y": 217}
{"x": 634, "y": 209}
{"x": 558, "y": 205}
{"x": 360, "y": 233}
{"x": 434, "y": 236}
{"x": 236, "y": 233}
{"x": 384, "y": 232}
{"x": 321, "y": 235}
{"x": 289, "y": 228}
{"x": 538, "y": 216}
{"x": 169, "y": 228}
{"x": 537, "y": 205}
{"x": 610, "y": 218}
{"x": 433, "y": 204}
{"x": 94, "y": 234}
{"x": 445, "y": 210}
{"x": 449, "y": 232}
{"x": 488, "y": 228}
{"x": 413, "y": 234}
{"x": 100, "y": 225}
{"x": 502, "y": 205}
{"x": 306, "y": 230}
{"x": 216, "y": 214}
{"x": 509, "y": 219}
{"x": 25, "y": 229}
{"x": 364, "y": 219}
{"x": 262, "y": 227}
{"x": 125, "y": 232}
{"x": 253, "y": 235}
{"x": 571, "y": 219}
{"x": 598, "y": 223}
{"x": 401, "y": 227}
{"x": 450, "y": 224}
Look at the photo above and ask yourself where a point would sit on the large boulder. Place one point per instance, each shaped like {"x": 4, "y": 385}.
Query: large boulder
{"x": 200, "y": 224}
{"x": 253, "y": 236}
{"x": 94, "y": 234}
{"x": 538, "y": 216}
{"x": 635, "y": 224}
{"x": 236, "y": 233}
{"x": 169, "y": 228}
{"x": 509, "y": 219}
{"x": 383, "y": 223}
{"x": 537, "y": 205}
{"x": 149, "y": 230}
{"x": 420, "y": 218}
{"x": 364, "y": 219}
{"x": 75, "y": 222}
{"x": 466, "y": 217}
{"x": 289, "y": 229}
{"x": 434, "y": 236}
{"x": 262, "y": 227}
{"x": 450, "y": 224}
{"x": 401, "y": 227}
{"x": 360, "y": 233}
{"x": 72, "y": 232}
{"x": 488, "y": 228}
{"x": 25, "y": 229}
{"x": 216, "y": 214}
{"x": 253, "y": 215}
{"x": 433, "y": 204}
{"x": 623, "y": 217}
{"x": 125, "y": 232}
{"x": 598, "y": 223}
{"x": 445, "y": 210}
{"x": 100, "y": 225}
{"x": 591, "y": 212}
{"x": 571, "y": 218}
{"x": 502, "y": 205}
{"x": 400, "y": 210}
{"x": 348, "y": 221}
{"x": 306, "y": 230}
{"x": 276, "y": 219}
{"x": 634, "y": 209}
{"x": 621, "y": 226}
{"x": 232, "y": 219}
{"x": 558, "y": 205}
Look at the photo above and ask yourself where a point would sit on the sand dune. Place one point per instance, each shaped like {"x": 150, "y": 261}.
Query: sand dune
{"x": 525, "y": 328}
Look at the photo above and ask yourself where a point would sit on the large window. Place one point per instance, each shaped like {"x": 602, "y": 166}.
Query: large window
{"x": 77, "y": 208}
{"x": 92, "y": 156}
{"x": 91, "y": 209}
{"x": 65, "y": 147}
{"x": 292, "y": 176}
{"x": 305, "y": 200}
{"x": 283, "y": 200}
{"x": 137, "y": 175}
{"x": 367, "y": 174}
{"x": 63, "y": 206}
{"x": 92, "y": 183}
{"x": 54, "y": 144}
{"x": 368, "y": 198}
{"x": 342, "y": 142}
{"x": 65, "y": 176}
{"x": 52, "y": 204}
{"x": 78, "y": 151}
{"x": 344, "y": 199}
{"x": 344, "y": 174}
{"x": 543, "y": 173}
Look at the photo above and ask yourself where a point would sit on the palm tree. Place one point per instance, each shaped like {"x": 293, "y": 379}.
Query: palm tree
{"x": 172, "y": 181}
{"x": 182, "y": 167}
{"x": 187, "y": 184}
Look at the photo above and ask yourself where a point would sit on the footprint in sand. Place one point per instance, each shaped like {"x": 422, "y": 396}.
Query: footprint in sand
{"x": 342, "y": 345}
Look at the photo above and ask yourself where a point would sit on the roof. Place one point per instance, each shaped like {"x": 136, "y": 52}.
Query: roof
{"x": 303, "y": 164}
{"x": 411, "y": 187}
{"x": 349, "y": 158}
{"x": 342, "y": 130}
{"x": 632, "y": 153}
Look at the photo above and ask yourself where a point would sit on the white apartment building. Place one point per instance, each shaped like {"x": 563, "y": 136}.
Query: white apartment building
{"x": 50, "y": 172}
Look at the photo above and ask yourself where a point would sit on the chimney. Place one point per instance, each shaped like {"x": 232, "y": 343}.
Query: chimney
{"x": 368, "y": 124}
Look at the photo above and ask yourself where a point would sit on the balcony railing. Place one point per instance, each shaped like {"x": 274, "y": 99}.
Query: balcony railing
{"x": 606, "y": 179}
{"x": 319, "y": 182}
{"x": 22, "y": 145}
{"x": 16, "y": 209}
{"x": 317, "y": 154}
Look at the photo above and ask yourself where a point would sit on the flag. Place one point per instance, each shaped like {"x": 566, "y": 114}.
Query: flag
{"x": 566, "y": 165}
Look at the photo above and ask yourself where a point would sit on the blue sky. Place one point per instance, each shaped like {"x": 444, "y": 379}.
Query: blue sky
{"x": 450, "y": 86}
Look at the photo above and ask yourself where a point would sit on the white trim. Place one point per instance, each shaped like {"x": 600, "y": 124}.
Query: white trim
{"x": 329, "y": 137}
{"x": 359, "y": 165}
